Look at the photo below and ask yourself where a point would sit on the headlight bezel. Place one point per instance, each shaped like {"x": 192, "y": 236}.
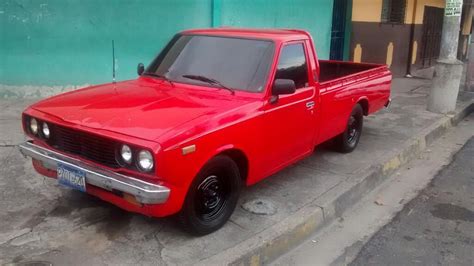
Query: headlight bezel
{"x": 44, "y": 126}
{"x": 146, "y": 153}
{"x": 122, "y": 157}
{"x": 35, "y": 128}
{"x": 30, "y": 126}
{"x": 134, "y": 164}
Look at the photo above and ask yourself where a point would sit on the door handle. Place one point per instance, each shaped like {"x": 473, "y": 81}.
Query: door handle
{"x": 310, "y": 105}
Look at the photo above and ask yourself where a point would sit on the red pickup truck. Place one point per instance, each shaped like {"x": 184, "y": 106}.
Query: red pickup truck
{"x": 215, "y": 110}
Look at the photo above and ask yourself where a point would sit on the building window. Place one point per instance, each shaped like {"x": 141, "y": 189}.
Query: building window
{"x": 393, "y": 11}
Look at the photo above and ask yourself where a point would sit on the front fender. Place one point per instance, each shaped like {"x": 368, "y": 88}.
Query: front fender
{"x": 180, "y": 169}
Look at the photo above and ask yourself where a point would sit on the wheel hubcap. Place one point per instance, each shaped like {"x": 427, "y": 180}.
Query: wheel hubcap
{"x": 352, "y": 130}
{"x": 211, "y": 197}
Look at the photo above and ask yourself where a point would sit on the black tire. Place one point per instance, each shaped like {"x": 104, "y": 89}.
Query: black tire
{"x": 348, "y": 140}
{"x": 212, "y": 197}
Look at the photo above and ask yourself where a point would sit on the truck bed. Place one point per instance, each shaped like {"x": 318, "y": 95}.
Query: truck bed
{"x": 332, "y": 70}
{"x": 342, "y": 84}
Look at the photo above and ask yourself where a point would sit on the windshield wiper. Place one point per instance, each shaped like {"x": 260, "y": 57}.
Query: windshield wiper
{"x": 209, "y": 81}
{"x": 159, "y": 76}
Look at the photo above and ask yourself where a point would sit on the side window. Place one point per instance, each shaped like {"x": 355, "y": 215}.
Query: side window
{"x": 292, "y": 65}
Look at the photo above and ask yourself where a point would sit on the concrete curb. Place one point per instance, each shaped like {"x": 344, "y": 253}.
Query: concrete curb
{"x": 35, "y": 92}
{"x": 269, "y": 244}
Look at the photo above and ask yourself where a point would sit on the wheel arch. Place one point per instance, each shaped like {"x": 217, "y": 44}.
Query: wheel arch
{"x": 240, "y": 158}
{"x": 237, "y": 155}
{"x": 364, "y": 103}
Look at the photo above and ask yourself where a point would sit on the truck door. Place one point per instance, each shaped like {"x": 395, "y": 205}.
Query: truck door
{"x": 290, "y": 121}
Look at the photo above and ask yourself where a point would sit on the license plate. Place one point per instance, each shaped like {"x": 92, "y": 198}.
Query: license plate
{"x": 72, "y": 177}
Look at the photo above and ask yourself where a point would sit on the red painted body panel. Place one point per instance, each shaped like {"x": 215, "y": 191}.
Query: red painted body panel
{"x": 339, "y": 96}
{"x": 151, "y": 113}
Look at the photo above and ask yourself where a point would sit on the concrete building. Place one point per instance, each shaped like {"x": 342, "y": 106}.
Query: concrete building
{"x": 404, "y": 34}
{"x": 68, "y": 42}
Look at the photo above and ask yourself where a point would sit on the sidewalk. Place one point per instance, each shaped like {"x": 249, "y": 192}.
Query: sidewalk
{"x": 40, "y": 221}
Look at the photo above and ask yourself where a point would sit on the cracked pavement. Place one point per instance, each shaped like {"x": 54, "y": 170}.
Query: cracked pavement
{"x": 446, "y": 235}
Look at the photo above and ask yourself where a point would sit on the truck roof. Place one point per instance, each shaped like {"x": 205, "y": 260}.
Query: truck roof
{"x": 272, "y": 34}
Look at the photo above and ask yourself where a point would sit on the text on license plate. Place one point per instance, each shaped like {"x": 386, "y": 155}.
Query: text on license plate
{"x": 71, "y": 177}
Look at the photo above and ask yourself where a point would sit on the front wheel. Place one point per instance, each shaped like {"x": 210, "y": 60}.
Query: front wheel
{"x": 348, "y": 140}
{"x": 212, "y": 197}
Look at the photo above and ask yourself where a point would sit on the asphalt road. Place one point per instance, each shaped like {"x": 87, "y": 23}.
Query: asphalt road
{"x": 437, "y": 227}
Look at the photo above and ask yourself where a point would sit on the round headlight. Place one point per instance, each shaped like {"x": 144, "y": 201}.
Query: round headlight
{"x": 126, "y": 154}
{"x": 46, "y": 131}
{"x": 34, "y": 126}
{"x": 145, "y": 160}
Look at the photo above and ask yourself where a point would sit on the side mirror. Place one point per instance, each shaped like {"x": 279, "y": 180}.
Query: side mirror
{"x": 140, "y": 69}
{"x": 283, "y": 86}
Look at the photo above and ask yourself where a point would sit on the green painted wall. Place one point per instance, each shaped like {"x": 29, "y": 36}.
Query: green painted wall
{"x": 312, "y": 15}
{"x": 68, "y": 42}
{"x": 61, "y": 42}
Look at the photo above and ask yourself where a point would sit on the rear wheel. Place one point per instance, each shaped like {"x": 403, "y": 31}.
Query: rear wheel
{"x": 348, "y": 140}
{"x": 212, "y": 197}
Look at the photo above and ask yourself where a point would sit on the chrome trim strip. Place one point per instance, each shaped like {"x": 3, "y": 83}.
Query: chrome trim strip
{"x": 144, "y": 192}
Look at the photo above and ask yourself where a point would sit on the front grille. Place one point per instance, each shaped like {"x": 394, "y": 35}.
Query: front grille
{"x": 89, "y": 146}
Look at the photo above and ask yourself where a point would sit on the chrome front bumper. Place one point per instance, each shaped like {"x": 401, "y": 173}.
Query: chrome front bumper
{"x": 144, "y": 192}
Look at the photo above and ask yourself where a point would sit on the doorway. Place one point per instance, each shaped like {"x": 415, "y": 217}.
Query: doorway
{"x": 338, "y": 30}
{"x": 431, "y": 36}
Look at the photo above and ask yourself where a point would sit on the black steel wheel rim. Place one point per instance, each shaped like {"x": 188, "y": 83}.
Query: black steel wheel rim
{"x": 211, "y": 197}
{"x": 353, "y": 130}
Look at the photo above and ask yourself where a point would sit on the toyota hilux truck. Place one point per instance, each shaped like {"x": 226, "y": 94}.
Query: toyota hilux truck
{"x": 216, "y": 110}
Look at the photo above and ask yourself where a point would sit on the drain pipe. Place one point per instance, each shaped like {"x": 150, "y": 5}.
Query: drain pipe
{"x": 412, "y": 38}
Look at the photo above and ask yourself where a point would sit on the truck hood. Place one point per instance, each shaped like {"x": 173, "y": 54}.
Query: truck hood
{"x": 138, "y": 108}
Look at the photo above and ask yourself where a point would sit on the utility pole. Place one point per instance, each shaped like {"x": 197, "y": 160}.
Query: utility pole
{"x": 448, "y": 70}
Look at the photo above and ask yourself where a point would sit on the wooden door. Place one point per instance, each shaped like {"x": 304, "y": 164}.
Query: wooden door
{"x": 431, "y": 38}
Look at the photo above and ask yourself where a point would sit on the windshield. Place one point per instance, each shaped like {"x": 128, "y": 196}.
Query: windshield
{"x": 236, "y": 63}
